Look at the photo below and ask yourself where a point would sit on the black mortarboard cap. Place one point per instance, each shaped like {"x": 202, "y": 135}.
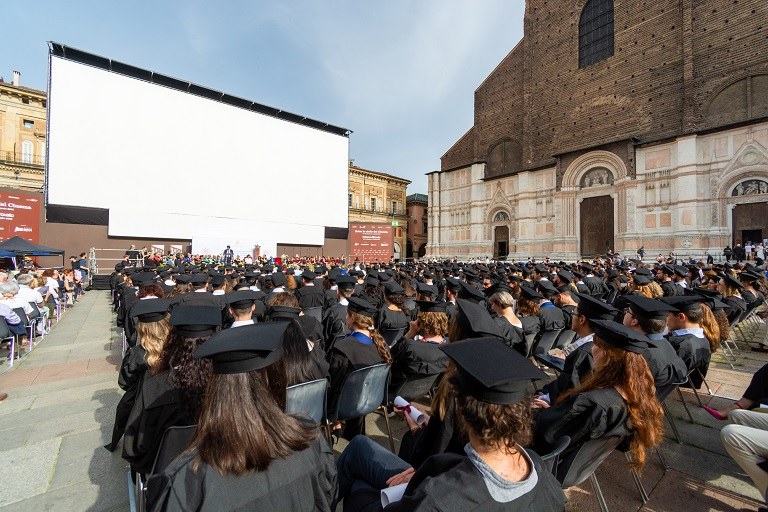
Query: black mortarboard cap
{"x": 283, "y": 312}
{"x": 183, "y": 278}
{"x": 392, "y": 288}
{"x": 371, "y": 280}
{"x": 641, "y": 280}
{"x": 150, "y": 310}
{"x": 361, "y": 306}
{"x": 309, "y": 275}
{"x": 547, "y": 288}
{"x": 241, "y": 298}
{"x": 529, "y": 293}
{"x": 346, "y": 282}
{"x": 594, "y": 309}
{"x": 425, "y": 289}
{"x": 142, "y": 278}
{"x": 652, "y": 309}
{"x": 683, "y": 303}
{"x": 477, "y": 319}
{"x": 491, "y": 371}
{"x": 620, "y": 336}
{"x": 731, "y": 281}
{"x": 426, "y": 306}
{"x": 217, "y": 280}
{"x": 245, "y": 349}
{"x": 198, "y": 279}
{"x": 278, "y": 278}
{"x": 469, "y": 292}
{"x": 565, "y": 276}
{"x": 195, "y": 321}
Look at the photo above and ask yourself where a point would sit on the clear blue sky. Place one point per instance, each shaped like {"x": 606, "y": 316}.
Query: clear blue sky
{"x": 400, "y": 74}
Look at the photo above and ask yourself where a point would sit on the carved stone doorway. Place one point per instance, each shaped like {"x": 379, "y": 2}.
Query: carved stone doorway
{"x": 597, "y": 227}
{"x": 750, "y": 223}
{"x": 500, "y": 242}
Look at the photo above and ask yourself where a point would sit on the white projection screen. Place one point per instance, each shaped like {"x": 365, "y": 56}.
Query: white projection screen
{"x": 170, "y": 164}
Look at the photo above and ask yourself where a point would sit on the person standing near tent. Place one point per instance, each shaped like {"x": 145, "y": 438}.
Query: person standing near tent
{"x": 77, "y": 274}
{"x": 83, "y": 270}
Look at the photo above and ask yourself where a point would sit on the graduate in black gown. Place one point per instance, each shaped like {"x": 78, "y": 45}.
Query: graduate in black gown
{"x": 730, "y": 288}
{"x": 334, "y": 321}
{"x": 246, "y": 453}
{"x": 685, "y": 332}
{"x": 489, "y": 385}
{"x": 173, "y": 396}
{"x": 152, "y": 329}
{"x": 617, "y": 399}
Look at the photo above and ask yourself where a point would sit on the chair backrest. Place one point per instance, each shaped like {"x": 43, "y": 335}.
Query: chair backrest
{"x": 663, "y": 392}
{"x": 392, "y": 336}
{"x": 566, "y": 337}
{"x": 551, "y": 460}
{"x": 174, "y": 441}
{"x": 307, "y": 398}
{"x": 315, "y": 312}
{"x": 416, "y": 386}
{"x": 585, "y": 460}
{"x": 546, "y": 341}
{"x": 35, "y": 312}
{"x": 22, "y": 315}
{"x": 363, "y": 391}
{"x": 5, "y": 332}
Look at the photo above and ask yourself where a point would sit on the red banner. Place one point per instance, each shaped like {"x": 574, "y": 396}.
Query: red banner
{"x": 370, "y": 242}
{"x": 19, "y": 216}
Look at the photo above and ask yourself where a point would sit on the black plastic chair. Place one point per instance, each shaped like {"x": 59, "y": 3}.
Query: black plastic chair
{"x": 546, "y": 341}
{"x": 415, "y": 387}
{"x": 315, "y": 312}
{"x": 173, "y": 443}
{"x": 363, "y": 392}
{"x": 28, "y": 326}
{"x": 308, "y": 399}
{"x": 566, "y": 337}
{"x": 583, "y": 462}
{"x": 551, "y": 460}
{"x": 7, "y": 335}
{"x": 661, "y": 395}
{"x": 392, "y": 336}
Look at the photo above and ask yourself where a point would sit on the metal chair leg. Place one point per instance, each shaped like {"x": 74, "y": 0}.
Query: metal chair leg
{"x": 662, "y": 459}
{"x": 599, "y": 493}
{"x": 685, "y": 406}
{"x": 638, "y": 482}
{"x": 389, "y": 429}
{"x": 671, "y": 421}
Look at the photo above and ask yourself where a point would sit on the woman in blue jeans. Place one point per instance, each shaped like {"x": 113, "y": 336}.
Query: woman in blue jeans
{"x": 489, "y": 380}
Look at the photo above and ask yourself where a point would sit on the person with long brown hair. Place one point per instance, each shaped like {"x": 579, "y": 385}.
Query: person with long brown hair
{"x": 617, "y": 399}
{"x": 246, "y": 452}
{"x": 363, "y": 346}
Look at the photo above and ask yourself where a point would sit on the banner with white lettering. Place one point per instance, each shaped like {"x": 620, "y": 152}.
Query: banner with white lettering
{"x": 19, "y": 216}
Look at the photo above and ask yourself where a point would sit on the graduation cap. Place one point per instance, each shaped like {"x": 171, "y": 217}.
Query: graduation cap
{"x": 241, "y": 299}
{"x": 217, "y": 280}
{"x": 371, "y": 280}
{"x": 183, "y": 279}
{"x": 565, "y": 276}
{"x": 143, "y": 278}
{"x": 361, "y": 306}
{"x": 652, "y": 309}
{"x": 429, "y": 275}
{"x": 392, "y": 288}
{"x": 245, "y": 349}
{"x": 150, "y": 310}
{"x": 731, "y": 281}
{"x": 425, "y": 289}
{"x": 594, "y": 309}
{"x": 346, "y": 282}
{"x": 195, "y": 321}
{"x": 283, "y": 312}
{"x": 452, "y": 283}
{"x": 643, "y": 272}
{"x": 683, "y": 303}
{"x": 496, "y": 288}
{"x": 680, "y": 270}
{"x": 620, "y": 336}
{"x": 278, "y": 279}
{"x": 547, "y": 288}
{"x": 641, "y": 280}
{"x": 541, "y": 269}
{"x": 198, "y": 279}
{"x": 529, "y": 293}
{"x": 470, "y": 293}
{"x": 490, "y": 371}
{"x": 427, "y": 306}
{"x": 308, "y": 275}
{"x": 477, "y": 319}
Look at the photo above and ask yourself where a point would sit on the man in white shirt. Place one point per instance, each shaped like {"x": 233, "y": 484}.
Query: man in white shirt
{"x": 28, "y": 295}
{"x": 242, "y": 304}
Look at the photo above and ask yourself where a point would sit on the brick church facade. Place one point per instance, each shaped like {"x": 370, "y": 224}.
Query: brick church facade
{"x": 614, "y": 124}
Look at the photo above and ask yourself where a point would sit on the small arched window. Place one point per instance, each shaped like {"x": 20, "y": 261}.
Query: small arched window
{"x": 595, "y": 32}
{"x": 501, "y": 217}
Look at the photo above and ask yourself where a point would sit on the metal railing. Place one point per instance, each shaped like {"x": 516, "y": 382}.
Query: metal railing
{"x": 21, "y": 158}
{"x": 378, "y": 209}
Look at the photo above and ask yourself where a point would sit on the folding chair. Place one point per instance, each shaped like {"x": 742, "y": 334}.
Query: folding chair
{"x": 583, "y": 462}
{"x": 308, "y": 399}
{"x": 546, "y": 341}
{"x": 552, "y": 459}
{"x": 415, "y": 387}
{"x": 363, "y": 392}
{"x": 661, "y": 396}
{"x": 7, "y": 335}
{"x": 566, "y": 337}
{"x": 28, "y": 326}
{"x": 174, "y": 441}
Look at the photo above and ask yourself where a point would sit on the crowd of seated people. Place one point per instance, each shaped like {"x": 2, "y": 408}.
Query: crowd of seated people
{"x": 217, "y": 345}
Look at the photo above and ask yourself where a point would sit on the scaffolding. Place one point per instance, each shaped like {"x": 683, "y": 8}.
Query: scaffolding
{"x": 103, "y": 261}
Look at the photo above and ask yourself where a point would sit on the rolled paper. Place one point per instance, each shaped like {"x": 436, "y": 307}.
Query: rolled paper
{"x": 392, "y": 494}
{"x": 416, "y": 415}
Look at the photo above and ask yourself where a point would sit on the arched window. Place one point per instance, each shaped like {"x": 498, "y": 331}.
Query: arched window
{"x": 501, "y": 217}
{"x": 595, "y": 32}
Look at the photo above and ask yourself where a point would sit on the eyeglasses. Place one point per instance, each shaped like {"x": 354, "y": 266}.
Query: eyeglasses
{"x": 628, "y": 311}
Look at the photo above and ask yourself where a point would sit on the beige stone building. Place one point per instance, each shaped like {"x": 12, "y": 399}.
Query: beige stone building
{"x": 379, "y": 198}
{"x": 22, "y": 136}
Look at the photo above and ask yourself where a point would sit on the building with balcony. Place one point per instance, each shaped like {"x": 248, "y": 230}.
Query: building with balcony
{"x": 378, "y": 197}
{"x": 22, "y": 136}
{"x": 416, "y": 211}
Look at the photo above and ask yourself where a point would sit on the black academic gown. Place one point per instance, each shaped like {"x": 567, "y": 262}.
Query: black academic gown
{"x": 451, "y": 482}
{"x": 665, "y": 365}
{"x": 413, "y": 359}
{"x": 390, "y": 319}
{"x": 439, "y": 436}
{"x": 310, "y": 297}
{"x": 551, "y": 318}
{"x": 158, "y": 406}
{"x": 131, "y": 374}
{"x": 334, "y": 323}
{"x": 531, "y": 329}
{"x": 736, "y": 307}
{"x": 671, "y": 289}
{"x": 303, "y": 481}
{"x": 694, "y": 351}
{"x": 578, "y": 365}
{"x": 585, "y": 416}
{"x": 513, "y": 336}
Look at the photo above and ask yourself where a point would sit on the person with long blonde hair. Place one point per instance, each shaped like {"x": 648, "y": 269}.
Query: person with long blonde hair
{"x": 617, "y": 399}
{"x": 363, "y": 346}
